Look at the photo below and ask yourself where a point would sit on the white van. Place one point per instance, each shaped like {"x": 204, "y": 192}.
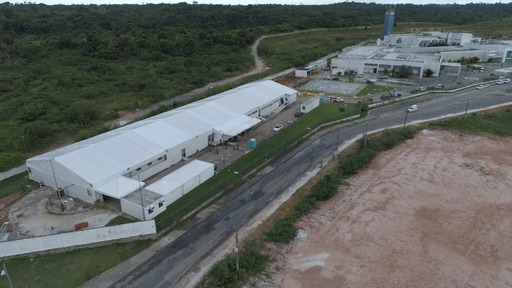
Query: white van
{"x": 412, "y": 108}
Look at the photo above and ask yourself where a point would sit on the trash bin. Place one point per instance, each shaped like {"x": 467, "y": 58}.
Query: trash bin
{"x": 252, "y": 143}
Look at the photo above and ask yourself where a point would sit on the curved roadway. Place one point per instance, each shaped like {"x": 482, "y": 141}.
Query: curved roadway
{"x": 166, "y": 268}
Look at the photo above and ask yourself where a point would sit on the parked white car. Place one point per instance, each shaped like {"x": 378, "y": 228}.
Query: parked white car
{"x": 278, "y": 127}
{"x": 506, "y": 80}
{"x": 480, "y": 87}
{"x": 499, "y": 82}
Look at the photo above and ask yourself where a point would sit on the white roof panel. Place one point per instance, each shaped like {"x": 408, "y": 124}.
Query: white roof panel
{"x": 119, "y": 187}
{"x": 237, "y": 125}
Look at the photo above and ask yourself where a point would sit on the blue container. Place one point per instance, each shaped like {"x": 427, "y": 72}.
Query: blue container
{"x": 252, "y": 143}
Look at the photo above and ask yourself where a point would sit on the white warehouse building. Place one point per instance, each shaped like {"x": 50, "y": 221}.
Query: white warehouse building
{"x": 115, "y": 163}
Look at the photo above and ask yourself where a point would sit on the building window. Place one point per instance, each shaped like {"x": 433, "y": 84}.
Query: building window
{"x": 160, "y": 158}
{"x": 149, "y": 164}
{"x": 29, "y": 170}
{"x": 138, "y": 169}
{"x": 89, "y": 192}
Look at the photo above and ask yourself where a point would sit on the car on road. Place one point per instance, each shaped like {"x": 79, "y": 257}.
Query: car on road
{"x": 382, "y": 77}
{"x": 339, "y": 100}
{"x": 278, "y": 127}
{"x": 385, "y": 97}
{"x": 482, "y": 86}
{"x": 500, "y": 82}
{"x": 412, "y": 108}
{"x": 506, "y": 80}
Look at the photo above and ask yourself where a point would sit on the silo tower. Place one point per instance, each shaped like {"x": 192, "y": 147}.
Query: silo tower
{"x": 389, "y": 19}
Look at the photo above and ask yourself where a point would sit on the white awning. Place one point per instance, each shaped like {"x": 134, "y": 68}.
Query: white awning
{"x": 237, "y": 125}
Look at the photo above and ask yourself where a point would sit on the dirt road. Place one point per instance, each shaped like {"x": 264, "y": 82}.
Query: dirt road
{"x": 434, "y": 212}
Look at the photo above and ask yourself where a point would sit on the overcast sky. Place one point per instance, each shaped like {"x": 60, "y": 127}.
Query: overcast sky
{"x": 246, "y": 2}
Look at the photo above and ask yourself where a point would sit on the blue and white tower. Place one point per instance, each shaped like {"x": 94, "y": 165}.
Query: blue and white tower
{"x": 389, "y": 19}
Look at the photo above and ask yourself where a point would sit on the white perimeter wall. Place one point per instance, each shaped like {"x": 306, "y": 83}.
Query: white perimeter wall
{"x": 76, "y": 239}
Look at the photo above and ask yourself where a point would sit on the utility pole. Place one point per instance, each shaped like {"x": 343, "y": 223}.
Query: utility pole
{"x": 4, "y": 272}
{"x": 405, "y": 120}
{"x": 366, "y": 134}
{"x": 236, "y": 248}
{"x": 466, "y": 111}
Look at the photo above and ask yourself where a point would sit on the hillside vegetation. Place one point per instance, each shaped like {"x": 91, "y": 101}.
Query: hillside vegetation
{"x": 66, "y": 70}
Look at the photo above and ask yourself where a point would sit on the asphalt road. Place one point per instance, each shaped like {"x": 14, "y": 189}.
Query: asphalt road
{"x": 168, "y": 267}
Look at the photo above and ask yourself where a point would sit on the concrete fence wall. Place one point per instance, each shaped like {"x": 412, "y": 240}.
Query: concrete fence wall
{"x": 12, "y": 172}
{"x": 280, "y": 74}
{"x": 78, "y": 239}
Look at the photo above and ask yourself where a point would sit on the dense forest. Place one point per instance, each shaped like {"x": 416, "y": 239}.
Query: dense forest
{"x": 65, "y": 70}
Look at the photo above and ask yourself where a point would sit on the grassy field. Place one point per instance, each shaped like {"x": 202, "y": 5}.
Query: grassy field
{"x": 374, "y": 89}
{"x": 498, "y": 124}
{"x": 17, "y": 184}
{"x": 70, "y": 269}
{"x": 290, "y": 50}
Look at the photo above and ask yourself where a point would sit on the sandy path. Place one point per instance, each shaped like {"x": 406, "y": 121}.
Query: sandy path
{"x": 434, "y": 212}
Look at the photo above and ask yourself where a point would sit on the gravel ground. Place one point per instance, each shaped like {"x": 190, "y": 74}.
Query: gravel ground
{"x": 433, "y": 212}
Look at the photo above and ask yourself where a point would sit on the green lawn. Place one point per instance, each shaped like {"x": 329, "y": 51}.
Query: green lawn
{"x": 70, "y": 269}
{"x": 496, "y": 124}
{"x": 17, "y": 183}
{"x": 373, "y": 89}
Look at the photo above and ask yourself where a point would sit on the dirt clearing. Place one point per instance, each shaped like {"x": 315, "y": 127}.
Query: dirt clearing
{"x": 434, "y": 212}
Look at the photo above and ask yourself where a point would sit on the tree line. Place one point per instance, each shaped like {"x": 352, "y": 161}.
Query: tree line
{"x": 65, "y": 70}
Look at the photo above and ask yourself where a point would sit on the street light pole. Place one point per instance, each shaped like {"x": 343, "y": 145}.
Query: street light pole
{"x": 236, "y": 232}
{"x": 243, "y": 178}
{"x": 405, "y": 120}
{"x": 236, "y": 248}
{"x": 141, "y": 199}
{"x": 4, "y": 271}
{"x": 223, "y": 148}
{"x": 466, "y": 111}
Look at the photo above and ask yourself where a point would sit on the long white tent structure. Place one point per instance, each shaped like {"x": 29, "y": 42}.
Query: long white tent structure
{"x": 115, "y": 163}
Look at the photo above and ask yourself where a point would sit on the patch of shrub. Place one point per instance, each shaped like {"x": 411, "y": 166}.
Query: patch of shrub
{"x": 326, "y": 187}
{"x": 9, "y": 160}
{"x": 283, "y": 230}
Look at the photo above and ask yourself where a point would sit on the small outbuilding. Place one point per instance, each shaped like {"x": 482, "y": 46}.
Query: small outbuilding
{"x": 310, "y": 104}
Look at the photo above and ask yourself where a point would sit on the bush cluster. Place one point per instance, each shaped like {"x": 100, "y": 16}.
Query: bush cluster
{"x": 9, "y": 160}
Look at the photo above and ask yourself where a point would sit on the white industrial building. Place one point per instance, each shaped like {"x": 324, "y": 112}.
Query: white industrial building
{"x": 115, "y": 164}
{"x": 377, "y": 59}
{"x": 422, "y": 51}
{"x": 427, "y": 39}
